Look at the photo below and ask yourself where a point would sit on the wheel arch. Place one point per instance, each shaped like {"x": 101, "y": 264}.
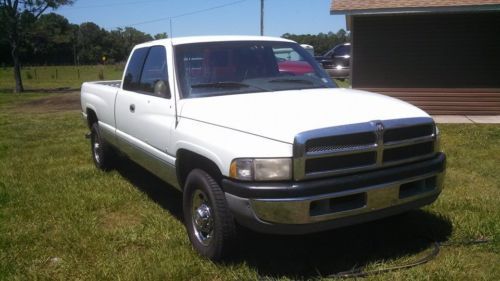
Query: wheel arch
{"x": 91, "y": 117}
{"x": 188, "y": 160}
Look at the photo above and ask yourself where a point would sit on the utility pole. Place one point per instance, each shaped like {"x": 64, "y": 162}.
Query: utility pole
{"x": 261, "y": 17}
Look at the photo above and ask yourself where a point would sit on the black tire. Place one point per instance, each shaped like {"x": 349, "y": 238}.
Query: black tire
{"x": 212, "y": 234}
{"x": 102, "y": 153}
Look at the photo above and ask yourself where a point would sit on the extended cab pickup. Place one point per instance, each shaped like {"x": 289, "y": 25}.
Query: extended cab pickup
{"x": 249, "y": 142}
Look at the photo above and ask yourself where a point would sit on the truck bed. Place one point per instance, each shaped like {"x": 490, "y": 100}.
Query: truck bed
{"x": 99, "y": 96}
{"x": 111, "y": 83}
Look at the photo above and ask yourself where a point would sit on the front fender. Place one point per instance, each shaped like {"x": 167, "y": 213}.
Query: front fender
{"x": 222, "y": 145}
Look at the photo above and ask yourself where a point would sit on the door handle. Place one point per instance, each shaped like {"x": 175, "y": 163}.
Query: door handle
{"x": 132, "y": 108}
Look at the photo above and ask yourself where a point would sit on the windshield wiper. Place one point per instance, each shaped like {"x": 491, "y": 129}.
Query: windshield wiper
{"x": 227, "y": 84}
{"x": 293, "y": 80}
{"x": 221, "y": 85}
{"x": 297, "y": 81}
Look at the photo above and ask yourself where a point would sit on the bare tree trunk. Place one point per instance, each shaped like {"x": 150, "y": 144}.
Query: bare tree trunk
{"x": 13, "y": 34}
{"x": 17, "y": 69}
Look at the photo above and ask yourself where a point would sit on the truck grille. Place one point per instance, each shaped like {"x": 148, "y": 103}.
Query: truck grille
{"x": 405, "y": 133}
{"x": 408, "y": 152}
{"x": 364, "y": 146}
{"x": 340, "y": 142}
{"x": 340, "y": 162}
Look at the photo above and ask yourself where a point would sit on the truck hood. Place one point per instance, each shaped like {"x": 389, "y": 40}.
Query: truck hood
{"x": 282, "y": 115}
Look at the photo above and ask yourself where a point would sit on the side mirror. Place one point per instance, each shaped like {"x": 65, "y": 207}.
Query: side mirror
{"x": 161, "y": 89}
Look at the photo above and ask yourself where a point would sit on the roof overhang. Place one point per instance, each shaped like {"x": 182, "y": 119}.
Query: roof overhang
{"x": 418, "y": 10}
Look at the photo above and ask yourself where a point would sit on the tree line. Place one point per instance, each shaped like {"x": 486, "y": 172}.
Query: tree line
{"x": 321, "y": 42}
{"x": 53, "y": 40}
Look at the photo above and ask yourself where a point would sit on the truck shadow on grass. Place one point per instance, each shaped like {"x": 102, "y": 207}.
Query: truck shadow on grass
{"x": 166, "y": 196}
{"x": 343, "y": 249}
{"x": 313, "y": 255}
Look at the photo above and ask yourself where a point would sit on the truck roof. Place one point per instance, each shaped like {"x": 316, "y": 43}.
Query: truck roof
{"x": 218, "y": 38}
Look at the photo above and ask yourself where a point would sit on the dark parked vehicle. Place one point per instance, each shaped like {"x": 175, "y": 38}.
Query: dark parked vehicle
{"x": 337, "y": 61}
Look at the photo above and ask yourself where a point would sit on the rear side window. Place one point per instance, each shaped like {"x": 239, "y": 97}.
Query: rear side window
{"x": 155, "y": 70}
{"x": 343, "y": 50}
{"x": 133, "y": 73}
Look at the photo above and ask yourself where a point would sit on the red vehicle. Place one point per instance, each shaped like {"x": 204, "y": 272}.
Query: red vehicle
{"x": 295, "y": 67}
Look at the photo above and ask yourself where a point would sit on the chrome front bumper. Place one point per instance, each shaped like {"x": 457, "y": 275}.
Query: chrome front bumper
{"x": 311, "y": 206}
{"x": 346, "y": 203}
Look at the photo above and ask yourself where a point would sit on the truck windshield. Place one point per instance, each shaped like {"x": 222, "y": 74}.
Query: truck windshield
{"x": 229, "y": 68}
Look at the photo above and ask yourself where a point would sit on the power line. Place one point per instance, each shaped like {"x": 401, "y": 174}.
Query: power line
{"x": 112, "y": 5}
{"x": 188, "y": 13}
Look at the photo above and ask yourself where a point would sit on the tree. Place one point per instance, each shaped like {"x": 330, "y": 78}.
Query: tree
{"x": 321, "y": 42}
{"x": 162, "y": 35}
{"x": 51, "y": 40}
{"x": 12, "y": 18}
{"x": 132, "y": 37}
{"x": 91, "y": 43}
{"x": 342, "y": 35}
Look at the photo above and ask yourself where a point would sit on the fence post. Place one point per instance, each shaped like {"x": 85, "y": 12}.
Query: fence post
{"x": 36, "y": 75}
{"x": 56, "y": 73}
{"x": 78, "y": 71}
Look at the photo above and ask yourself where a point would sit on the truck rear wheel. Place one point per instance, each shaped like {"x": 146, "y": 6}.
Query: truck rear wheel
{"x": 209, "y": 223}
{"x": 102, "y": 153}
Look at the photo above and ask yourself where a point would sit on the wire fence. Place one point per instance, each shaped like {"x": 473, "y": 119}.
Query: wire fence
{"x": 38, "y": 77}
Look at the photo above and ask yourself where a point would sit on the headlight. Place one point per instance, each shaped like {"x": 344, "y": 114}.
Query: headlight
{"x": 261, "y": 169}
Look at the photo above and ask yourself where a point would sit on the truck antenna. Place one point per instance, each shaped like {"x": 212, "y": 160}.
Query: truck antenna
{"x": 173, "y": 75}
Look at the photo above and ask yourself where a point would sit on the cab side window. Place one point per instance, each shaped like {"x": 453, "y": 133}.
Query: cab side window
{"x": 134, "y": 68}
{"x": 154, "y": 78}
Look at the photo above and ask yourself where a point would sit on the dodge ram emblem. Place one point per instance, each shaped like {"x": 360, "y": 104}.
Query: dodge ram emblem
{"x": 379, "y": 131}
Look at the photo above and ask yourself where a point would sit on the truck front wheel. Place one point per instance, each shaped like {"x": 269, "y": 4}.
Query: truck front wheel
{"x": 102, "y": 153}
{"x": 208, "y": 221}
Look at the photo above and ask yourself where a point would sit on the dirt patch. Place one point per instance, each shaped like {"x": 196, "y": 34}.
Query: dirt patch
{"x": 60, "y": 90}
{"x": 53, "y": 103}
{"x": 119, "y": 220}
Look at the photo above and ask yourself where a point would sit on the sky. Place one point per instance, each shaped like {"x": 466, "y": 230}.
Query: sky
{"x": 207, "y": 17}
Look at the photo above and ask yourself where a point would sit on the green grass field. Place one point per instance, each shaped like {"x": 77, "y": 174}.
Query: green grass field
{"x": 62, "y": 219}
{"x": 58, "y": 77}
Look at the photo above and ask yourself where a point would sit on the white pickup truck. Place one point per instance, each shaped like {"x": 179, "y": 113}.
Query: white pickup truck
{"x": 254, "y": 133}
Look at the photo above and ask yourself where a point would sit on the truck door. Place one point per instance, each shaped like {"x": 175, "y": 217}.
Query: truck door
{"x": 144, "y": 108}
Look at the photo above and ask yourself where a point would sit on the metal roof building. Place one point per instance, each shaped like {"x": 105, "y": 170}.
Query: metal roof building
{"x": 441, "y": 55}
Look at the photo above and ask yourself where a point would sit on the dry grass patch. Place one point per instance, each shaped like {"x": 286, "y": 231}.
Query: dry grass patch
{"x": 119, "y": 221}
{"x": 51, "y": 104}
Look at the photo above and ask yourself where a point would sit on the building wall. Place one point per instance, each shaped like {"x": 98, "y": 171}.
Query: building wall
{"x": 443, "y": 63}
{"x": 448, "y": 101}
{"x": 426, "y": 51}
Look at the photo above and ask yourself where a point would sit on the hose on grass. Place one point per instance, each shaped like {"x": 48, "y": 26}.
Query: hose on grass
{"x": 436, "y": 247}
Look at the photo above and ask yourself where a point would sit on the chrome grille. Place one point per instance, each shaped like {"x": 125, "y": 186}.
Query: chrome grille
{"x": 332, "y": 148}
{"x": 340, "y": 142}
{"x": 363, "y": 146}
